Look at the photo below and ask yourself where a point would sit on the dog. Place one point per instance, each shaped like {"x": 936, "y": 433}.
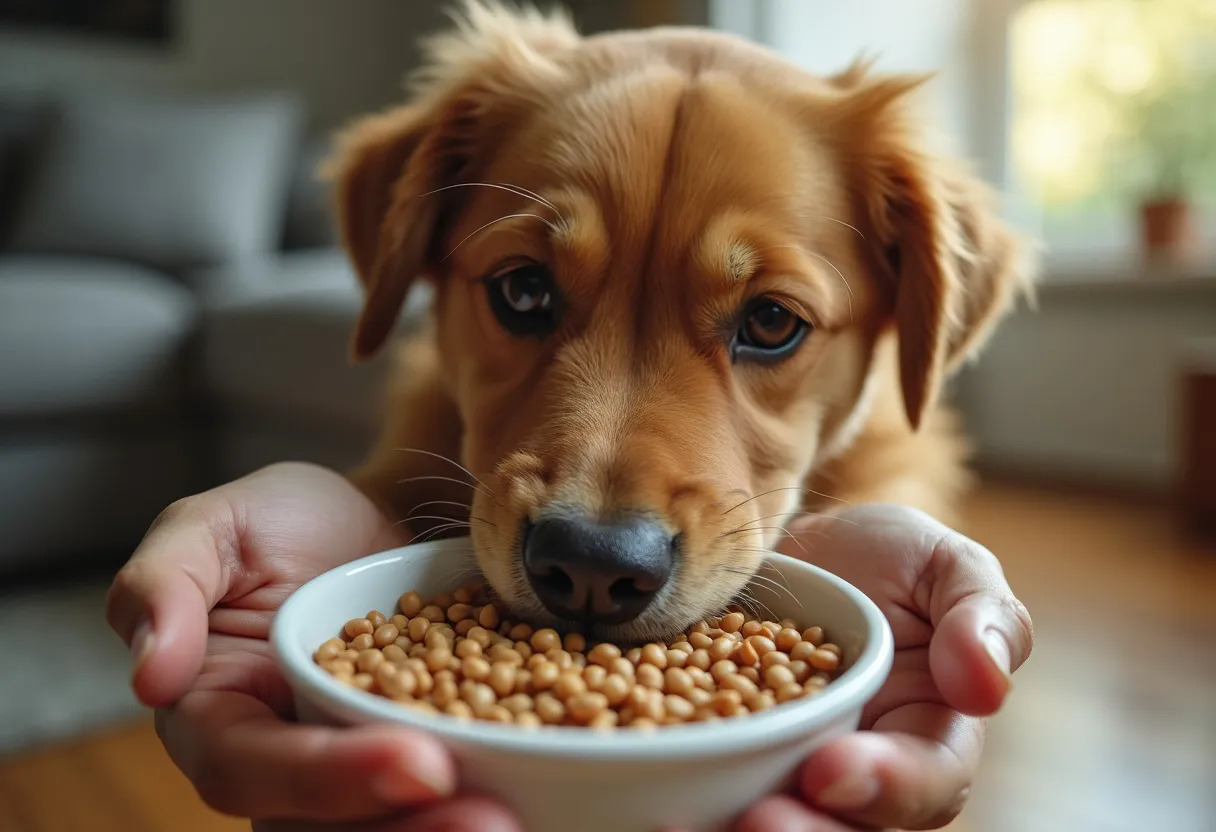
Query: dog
{"x": 683, "y": 290}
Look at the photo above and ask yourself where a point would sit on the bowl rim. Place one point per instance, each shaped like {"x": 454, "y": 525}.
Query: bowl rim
{"x": 855, "y": 687}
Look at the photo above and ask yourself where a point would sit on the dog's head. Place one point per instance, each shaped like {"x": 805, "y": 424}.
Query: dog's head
{"x": 662, "y": 262}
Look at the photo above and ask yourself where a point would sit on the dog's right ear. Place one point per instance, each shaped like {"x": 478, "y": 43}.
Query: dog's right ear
{"x": 393, "y": 171}
{"x": 371, "y": 168}
{"x": 952, "y": 265}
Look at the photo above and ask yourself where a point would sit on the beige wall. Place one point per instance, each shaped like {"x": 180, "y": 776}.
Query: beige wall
{"x": 1088, "y": 386}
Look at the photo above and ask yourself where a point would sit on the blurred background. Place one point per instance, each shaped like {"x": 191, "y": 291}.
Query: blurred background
{"x": 174, "y": 313}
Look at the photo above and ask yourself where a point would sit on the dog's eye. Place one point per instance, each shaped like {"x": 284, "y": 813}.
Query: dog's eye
{"x": 769, "y": 332}
{"x": 524, "y": 299}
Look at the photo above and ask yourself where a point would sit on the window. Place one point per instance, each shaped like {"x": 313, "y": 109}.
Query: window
{"x": 1113, "y": 106}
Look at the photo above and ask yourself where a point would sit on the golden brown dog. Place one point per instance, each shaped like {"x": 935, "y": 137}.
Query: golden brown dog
{"x": 683, "y": 289}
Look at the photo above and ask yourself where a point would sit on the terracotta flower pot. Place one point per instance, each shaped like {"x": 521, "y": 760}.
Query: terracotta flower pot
{"x": 1168, "y": 229}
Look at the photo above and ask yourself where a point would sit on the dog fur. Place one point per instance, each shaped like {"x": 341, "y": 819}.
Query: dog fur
{"x": 665, "y": 177}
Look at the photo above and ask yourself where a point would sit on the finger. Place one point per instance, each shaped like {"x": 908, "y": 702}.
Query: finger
{"x": 461, "y": 814}
{"x": 982, "y": 633}
{"x": 470, "y": 814}
{"x": 159, "y": 601}
{"x": 245, "y": 761}
{"x": 913, "y": 771}
{"x": 784, "y": 814}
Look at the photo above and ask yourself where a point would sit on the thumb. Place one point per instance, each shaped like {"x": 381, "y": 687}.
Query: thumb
{"x": 159, "y": 602}
{"x": 982, "y": 633}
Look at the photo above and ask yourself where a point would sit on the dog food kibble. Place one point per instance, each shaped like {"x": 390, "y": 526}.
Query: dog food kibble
{"x": 456, "y": 654}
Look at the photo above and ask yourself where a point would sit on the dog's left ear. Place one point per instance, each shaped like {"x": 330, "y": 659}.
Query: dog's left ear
{"x": 955, "y": 267}
{"x": 397, "y": 173}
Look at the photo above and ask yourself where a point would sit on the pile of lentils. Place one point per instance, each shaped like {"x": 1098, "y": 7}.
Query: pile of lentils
{"x": 459, "y": 656}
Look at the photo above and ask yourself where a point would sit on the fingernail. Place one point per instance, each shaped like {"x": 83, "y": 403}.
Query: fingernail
{"x": 998, "y": 651}
{"x": 852, "y": 791}
{"x": 142, "y": 643}
{"x": 412, "y": 787}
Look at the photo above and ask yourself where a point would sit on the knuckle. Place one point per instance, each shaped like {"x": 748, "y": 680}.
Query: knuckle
{"x": 897, "y": 514}
{"x": 955, "y": 553}
{"x": 180, "y": 509}
{"x": 980, "y": 558}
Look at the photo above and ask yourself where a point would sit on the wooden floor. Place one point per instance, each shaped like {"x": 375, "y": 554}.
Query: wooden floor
{"x": 1112, "y": 725}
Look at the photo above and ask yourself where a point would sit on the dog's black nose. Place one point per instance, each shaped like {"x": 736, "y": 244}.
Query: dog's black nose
{"x": 605, "y": 573}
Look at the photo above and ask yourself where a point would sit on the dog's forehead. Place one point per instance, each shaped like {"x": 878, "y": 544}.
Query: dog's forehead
{"x": 661, "y": 148}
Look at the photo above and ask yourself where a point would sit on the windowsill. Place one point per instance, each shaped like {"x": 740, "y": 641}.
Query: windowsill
{"x": 1127, "y": 275}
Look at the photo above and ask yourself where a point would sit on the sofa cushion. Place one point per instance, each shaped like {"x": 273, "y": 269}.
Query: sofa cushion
{"x": 67, "y": 495}
{"x": 168, "y": 183}
{"x": 23, "y": 128}
{"x": 84, "y": 334}
{"x": 279, "y": 344}
{"x": 270, "y": 275}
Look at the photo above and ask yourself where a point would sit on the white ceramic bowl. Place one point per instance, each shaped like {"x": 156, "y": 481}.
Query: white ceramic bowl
{"x": 697, "y": 777}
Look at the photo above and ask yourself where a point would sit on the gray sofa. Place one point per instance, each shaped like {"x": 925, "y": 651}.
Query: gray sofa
{"x": 173, "y": 313}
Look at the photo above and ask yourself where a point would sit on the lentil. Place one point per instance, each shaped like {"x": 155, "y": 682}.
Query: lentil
{"x": 410, "y": 604}
{"x": 823, "y": 660}
{"x": 458, "y": 656}
{"x": 385, "y": 635}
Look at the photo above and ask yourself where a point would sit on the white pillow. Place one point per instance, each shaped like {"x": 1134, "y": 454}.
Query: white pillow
{"x": 168, "y": 183}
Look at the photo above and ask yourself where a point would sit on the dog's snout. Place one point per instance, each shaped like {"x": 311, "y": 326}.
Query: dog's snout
{"x": 601, "y": 572}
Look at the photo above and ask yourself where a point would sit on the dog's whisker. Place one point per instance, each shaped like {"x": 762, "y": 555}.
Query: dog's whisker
{"x": 446, "y": 459}
{"x": 779, "y": 590}
{"x": 502, "y": 186}
{"x": 522, "y": 191}
{"x": 786, "y": 488}
{"x": 448, "y": 518}
{"x": 779, "y": 583}
{"x": 776, "y": 587}
{"x": 439, "y": 529}
{"x": 817, "y": 256}
{"x": 754, "y": 529}
{"x": 430, "y": 535}
{"x": 744, "y": 525}
{"x": 855, "y": 229}
{"x": 781, "y": 530}
{"x": 796, "y": 514}
{"x": 501, "y": 219}
{"x": 466, "y": 574}
{"x": 474, "y": 486}
{"x": 754, "y": 605}
{"x": 446, "y": 522}
{"x": 409, "y": 517}
{"x": 456, "y": 503}
{"x": 843, "y": 279}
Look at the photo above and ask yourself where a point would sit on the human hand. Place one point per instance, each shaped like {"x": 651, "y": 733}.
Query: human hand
{"x": 195, "y": 604}
{"x": 959, "y": 634}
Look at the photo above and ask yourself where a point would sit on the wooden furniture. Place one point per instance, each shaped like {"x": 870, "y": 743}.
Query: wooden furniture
{"x": 1198, "y": 437}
